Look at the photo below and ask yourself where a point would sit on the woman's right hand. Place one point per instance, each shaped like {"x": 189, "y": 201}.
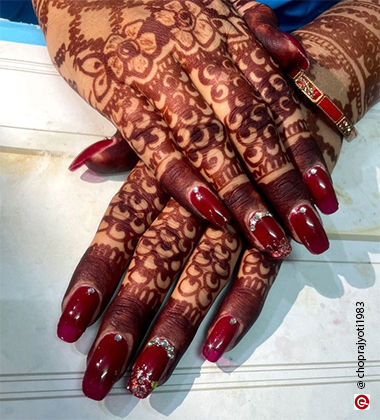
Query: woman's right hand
{"x": 192, "y": 90}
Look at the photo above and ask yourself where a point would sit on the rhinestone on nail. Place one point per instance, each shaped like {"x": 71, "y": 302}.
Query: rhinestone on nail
{"x": 163, "y": 342}
{"x": 313, "y": 171}
{"x": 233, "y": 321}
{"x": 302, "y": 210}
{"x": 90, "y": 291}
{"x": 257, "y": 217}
{"x": 118, "y": 337}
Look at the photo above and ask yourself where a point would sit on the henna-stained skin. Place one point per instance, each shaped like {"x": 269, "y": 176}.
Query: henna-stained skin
{"x": 160, "y": 255}
{"x": 129, "y": 214}
{"x": 206, "y": 273}
{"x": 167, "y": 74}
{"x": 194, "y": 293}
{"x": 334, "y": 52}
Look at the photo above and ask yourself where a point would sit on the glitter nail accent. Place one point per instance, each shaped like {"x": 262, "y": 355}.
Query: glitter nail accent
{"x": 257, "y": 217}
{"x": 162, "y": 342}
{"x": 118, "y": 337}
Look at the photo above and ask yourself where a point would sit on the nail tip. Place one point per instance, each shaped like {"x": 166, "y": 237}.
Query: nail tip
{"x": 329, "y": 208}
{"x": 68, "y": 333}
{"x": 210, "y": 355}
{"x": 75, "y": 165}
{"x": 94, "y": 393}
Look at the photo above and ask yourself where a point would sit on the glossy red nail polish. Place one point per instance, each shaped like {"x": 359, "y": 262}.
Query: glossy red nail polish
{"x": 209, "y": 206}
{"x": 302, "y": 60}
{"x": 270, "y": 235}
{"x": 86, "y": 154}
{"x": 319, "y": 185}
{"x": 78, "y": 313}
{"x": 309, "y": 229}
{"x": 222, "y": 334}
{"x": 105, "y": 367}
{"x": 147, "y": 370}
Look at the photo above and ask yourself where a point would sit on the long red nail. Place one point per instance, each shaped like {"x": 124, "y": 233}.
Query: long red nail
{"x": 270, "y": 234}
{"x": 302, "y": 60}
{"x": 221, "y": 336}
{"x": 78, "y": 313}
{"x": 209, "y": 206}
{"x": 319, "y": 184}
{"x": 309, "y": 229}
{"x": 84, "y": 156}
{"x": 149, "y": 367}
{"x": 106, "y": 365}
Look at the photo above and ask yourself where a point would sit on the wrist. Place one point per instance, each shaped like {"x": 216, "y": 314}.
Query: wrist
{"x": 343, "y": 65}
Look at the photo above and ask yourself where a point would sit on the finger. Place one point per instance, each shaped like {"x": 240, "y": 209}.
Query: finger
{"x": 107, "y": 156}
{"x": 242, "y": 304}
{"x": 283, "y": 47}
{"x": 159, "y": 257}
{"x": 264, "y": 75}
{"x": 99, "y": 271}
{"x": 207, "y": 271}
{"x": 254, "y": 136}
{"x": 150, "y": 137}
{"x": 204, "y": 141}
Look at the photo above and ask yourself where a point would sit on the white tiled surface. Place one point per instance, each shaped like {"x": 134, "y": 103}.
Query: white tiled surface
{"x": 297, "y": 362}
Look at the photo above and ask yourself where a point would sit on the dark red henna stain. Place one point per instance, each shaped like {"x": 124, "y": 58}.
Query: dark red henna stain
{"x": 248, "y": 292}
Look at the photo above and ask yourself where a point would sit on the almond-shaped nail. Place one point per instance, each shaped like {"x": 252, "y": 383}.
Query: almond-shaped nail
{"x": 209, "y": 206}
{"x": 149, "y": 367}
{"x": 106, "y": 365}
{"x": 309, "y": 229}
{"x": 87, "y": 153}
{"x": 78, "y": 313}
{"x": 221, "y": 336}
{"x": 320, "y": 187}
{"x": 269, "y": 234}
{"x": 302, "y": 60}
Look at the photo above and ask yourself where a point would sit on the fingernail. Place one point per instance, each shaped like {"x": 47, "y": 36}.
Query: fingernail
{"x": 303, "y": 60}
{"x": 309, "y": 229}
{"x": 221, "y": 336}
{"x": 82, "y": 158}
{"x": 319, "y": 184}
{"x": 209, "y": 206}
{"x": 78, "y": 313}
{"x": 105, "y": 366}
{"x": 270, "y": 234}
{"x": 149, "y": 367}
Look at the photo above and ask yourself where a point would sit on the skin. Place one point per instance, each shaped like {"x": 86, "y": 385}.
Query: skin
{"x": 176, "y": 240}
{"x": 191, "y": 90}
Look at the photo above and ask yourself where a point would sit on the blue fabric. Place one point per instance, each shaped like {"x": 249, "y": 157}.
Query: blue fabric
{"x": 291, "y": 15}
{"x": 21, "y": 32}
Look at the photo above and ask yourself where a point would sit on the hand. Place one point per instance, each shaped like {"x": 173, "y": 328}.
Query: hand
{"x": 167, "y": 77}
{"x": 153, "y": 267}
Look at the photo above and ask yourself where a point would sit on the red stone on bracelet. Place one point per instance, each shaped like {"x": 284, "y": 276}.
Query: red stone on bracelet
{"x": 324, "y": 103}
